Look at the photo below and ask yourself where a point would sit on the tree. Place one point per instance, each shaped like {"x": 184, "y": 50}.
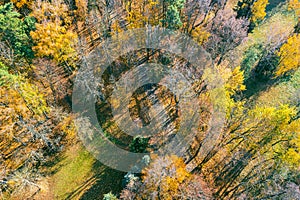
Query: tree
{"x": 243, "y": 8}
{"x": 166, "y": 13}
{"x": 200, "y": 35}
{"x": 166, "y": 178}
{"x": 142, "y": 13}
{"x": 295, "y": 6}
{"x": 258, "y": 11}
{"x": 251, "y": 57}
{"x": 30, "y": 132}
{"x": 53, "y": 37}
{"x": 139, "y": 144}
{"x": 109, "y": 196}
{"x": 135, "y": 15}
{"x": 172, "y": 18}
{"x": 255, "y": 151}
{"x": 23, "y": 3}
{"x": 255, "y": 142}
{"x": 15, "y": 32}
{"x": 81, "y": 9}
{"x": 254, "y": 10}
{"x": 227, "y": 32}
{"x": 289, "y": 54}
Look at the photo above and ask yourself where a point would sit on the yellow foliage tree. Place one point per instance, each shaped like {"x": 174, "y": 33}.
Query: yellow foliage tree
{"x": 27, "y": 128}
{"x": 200, "y": 35}
{"x": 25, "y": 95}
{"x": 280, "y": 129}
{"x": 67, "y": 126}
{"x": 167, "y": 181}
{"x": 116, "y": 28}
{"x": 81, "y": 11}
{"x": 233, "y": 83}
{"x": 270, "y": 131}
{"x": 21, "y": 3}
{"x": 140, "y": 13}
{"x": 289, "y": 54}
{"x": 291, "y": 155}
{"x": 21, "y": 106}
{"x": 258, "y": 10}
{"x": 294, "y": 5}
{"x": 53, "y": 35}
{"x": 166, "y": 178}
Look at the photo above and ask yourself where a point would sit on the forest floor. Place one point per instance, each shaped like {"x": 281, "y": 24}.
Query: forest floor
{"x": 78, "y": 175}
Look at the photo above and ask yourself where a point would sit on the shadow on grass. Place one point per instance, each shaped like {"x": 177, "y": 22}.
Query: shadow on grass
{"x": 53, "y": 165}
{"x": 109, "y": 180}
{"x": 76, "y": 174}
{"x": 103, "y": 181}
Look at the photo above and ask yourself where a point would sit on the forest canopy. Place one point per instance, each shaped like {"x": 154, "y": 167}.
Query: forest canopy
{"x": 252, "y": 48}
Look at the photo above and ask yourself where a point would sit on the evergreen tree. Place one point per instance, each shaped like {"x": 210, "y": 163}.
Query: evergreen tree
{"x": 15, "y": 31}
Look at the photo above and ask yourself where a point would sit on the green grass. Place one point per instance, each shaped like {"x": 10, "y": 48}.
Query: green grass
{"x": 80, "y": 176}
{"x": 75, "y": 169}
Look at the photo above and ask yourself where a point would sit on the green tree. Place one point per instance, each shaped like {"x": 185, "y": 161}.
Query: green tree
{"x": 251, "y": 57}
{"x": 139, "y": 144}
{"x": 15, "y": 31}
{"x": 173, "y": 20}
{"x": 109, "y": 196}
{"x": 172, "y": 16}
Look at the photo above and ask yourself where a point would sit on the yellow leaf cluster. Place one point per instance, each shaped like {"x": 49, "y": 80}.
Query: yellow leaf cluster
{"x": 289, "y": 54}
{"x": 81, "y": 8}
{"x": 259, "y": 10}
{"x": 32, "y": 97}
{"x": 294, "y": 5}
{"x": 271, "y": 131}
{"x": 139, "y": 13}
{"x": 274, "y": 116}
{"x": 17, "y": 102}
{"x": 152, "y": 12}
{"x": 54, "y": 41}
{"x": 53, "y": 36}
{"x": 68, "y": 127}
{"x": 291, "y": 156}
{"x": 11, "y": 105}
{"x": 21, "y": 3}
{"x": 22, "y": 96}
{"x": 235, "y": 83}
{"x": 135, "y": 16}
{"x": 175, "y": 174}
{"x": 200, "y": 35}
{"x": 55, "y": 11}
{"x": 116, "y": 28}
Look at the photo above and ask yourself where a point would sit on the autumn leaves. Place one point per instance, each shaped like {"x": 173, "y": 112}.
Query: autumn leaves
{"x": 53, "y": 36}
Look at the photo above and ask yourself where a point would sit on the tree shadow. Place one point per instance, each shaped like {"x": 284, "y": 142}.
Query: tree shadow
{"x": 103, "y": 181}
{"x": 52, "y": 166}
{"x": 262, "y": 77}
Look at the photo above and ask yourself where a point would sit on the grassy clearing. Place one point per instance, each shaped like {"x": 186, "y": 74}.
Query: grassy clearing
{"x": 80, "y": 176}
{"x": 75, "y": 168}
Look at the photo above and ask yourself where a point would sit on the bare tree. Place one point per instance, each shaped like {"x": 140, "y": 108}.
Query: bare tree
{"x": 227, "y": 32}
